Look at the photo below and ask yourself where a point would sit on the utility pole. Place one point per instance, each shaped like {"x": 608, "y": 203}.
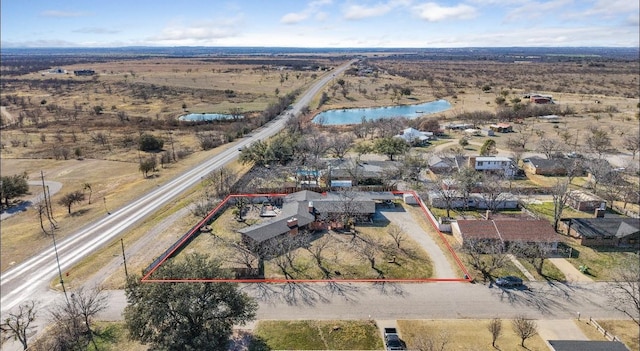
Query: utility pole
{"x": 104, "y": 199}
{"x": 55, "y": 248}
{"x": 124, "y": 259}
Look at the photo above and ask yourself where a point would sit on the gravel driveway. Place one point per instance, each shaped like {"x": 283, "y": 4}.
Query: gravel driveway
{"x": 404, "y": 219}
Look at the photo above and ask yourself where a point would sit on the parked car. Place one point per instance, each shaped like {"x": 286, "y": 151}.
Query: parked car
{"x": 509, "y": 281}
{"x": 392, "y": 340}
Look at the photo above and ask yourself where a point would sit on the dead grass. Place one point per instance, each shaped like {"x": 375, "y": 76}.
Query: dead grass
{"x": 626, "y": 330}
{"x": 342, "y": 256}
{"x": 465, "y": 334}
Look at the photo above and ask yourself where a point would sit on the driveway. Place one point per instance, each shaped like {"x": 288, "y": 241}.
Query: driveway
{"x": 404, "y": 219}
{"x": 54, "y": 187}
{"x": 570, "y": 272}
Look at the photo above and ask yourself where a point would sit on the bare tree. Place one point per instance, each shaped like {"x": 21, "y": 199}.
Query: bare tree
{"x": 340, "y": 144}
{"x": 17, "y": 325}
{"x": 87, "y": 186}
{"x": 396, "y": 232}
{"x": 71, "y": 198}
{"x": 493, "y": 191}
{"x": 73, "y": 320}
{"x": 317, "y": 249}
{"x": 495, "y": 328}
{"x": 598, "y": 141}
{"x": 534, "y": 252}
{"x": 431, "y": 342}
{"x": 524, "y": 328}
{"x": 221, "y": 181}
{"x": 560, "y": 195}
{"x": 548, "y": 146}
{"x": 624, "y": 292}
{"x": 89, "y": 304}
{"x": 485, "y": 256}
{"x": 632, "y": 143}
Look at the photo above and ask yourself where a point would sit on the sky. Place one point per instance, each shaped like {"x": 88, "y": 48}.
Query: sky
{"x": 320, "y": 23}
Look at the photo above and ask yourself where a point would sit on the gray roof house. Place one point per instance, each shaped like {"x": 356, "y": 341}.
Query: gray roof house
{"x": 607, "y": 231}
{"x": 307, "y": 208}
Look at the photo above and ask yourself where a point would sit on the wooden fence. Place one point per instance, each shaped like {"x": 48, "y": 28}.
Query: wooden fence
{"x": 604, "y": 332}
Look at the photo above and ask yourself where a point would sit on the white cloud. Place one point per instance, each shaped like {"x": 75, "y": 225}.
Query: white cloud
{"x": 360, "y": 11}
{"x": 292, "y": 18}
{"x": 57, "y": 13}
{"x": 433, "y": 12}
{"x": 297, "y": 17}
{"x": 613, "y": 7}
{"x": 96, "y": 30}
{"x": 535, "y": 9}
{"x": 177, "y": 33}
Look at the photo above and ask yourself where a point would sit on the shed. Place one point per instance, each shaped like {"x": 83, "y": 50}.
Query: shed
{"x": 583, "y": 201}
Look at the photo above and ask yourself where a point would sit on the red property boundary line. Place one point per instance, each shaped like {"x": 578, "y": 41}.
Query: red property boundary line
{"x": 195, "y": 229}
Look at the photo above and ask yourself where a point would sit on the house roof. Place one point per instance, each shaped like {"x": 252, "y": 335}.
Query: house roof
{"x": 545, "y": 163}
{"x": 578, "y": 195}
{"x": 606, "y": 227}
{"x": 441, "y": 162}
{"x": 410, "y": 134}
{"x": 296, "y": 205}
{"x": 587, "y": 345}
{"x": 493, "y": 158}
{"x": 365, "y": 169}
{"x": 508, "y": 230}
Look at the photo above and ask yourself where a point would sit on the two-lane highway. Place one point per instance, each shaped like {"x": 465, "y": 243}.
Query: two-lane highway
{"x": 29, "y": 279}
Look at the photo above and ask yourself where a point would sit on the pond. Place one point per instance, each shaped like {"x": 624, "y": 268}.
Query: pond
{"x": 196, "y": 117}
{"x": 355, "y": 115}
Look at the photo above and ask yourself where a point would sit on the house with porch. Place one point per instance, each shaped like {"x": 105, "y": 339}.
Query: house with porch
{"x": 605, "y": 231}
{"x": 506, "y": 231}
{"x": 314, "y": 211}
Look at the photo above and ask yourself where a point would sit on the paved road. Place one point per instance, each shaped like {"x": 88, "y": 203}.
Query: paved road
{"x": 442, "y": 300}
{"x": 30, "y": 279}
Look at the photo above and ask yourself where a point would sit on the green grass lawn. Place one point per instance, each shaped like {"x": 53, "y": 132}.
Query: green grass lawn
{"x": 549, "y": 271}
{"x": 601, "y": 261}
{"x": 318, "y": 335}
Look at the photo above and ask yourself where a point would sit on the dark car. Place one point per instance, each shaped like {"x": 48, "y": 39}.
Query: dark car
{"x": 509, "y": 281}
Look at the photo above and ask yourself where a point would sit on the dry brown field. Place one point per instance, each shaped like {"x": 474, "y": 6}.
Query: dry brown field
{"x": 44, "y": 113}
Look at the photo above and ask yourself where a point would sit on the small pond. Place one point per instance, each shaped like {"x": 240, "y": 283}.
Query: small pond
{"x": 355, "y": 115}
{"x": 196, "y": 117}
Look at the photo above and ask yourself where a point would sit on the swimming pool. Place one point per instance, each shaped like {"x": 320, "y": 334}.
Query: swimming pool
{"x": 355, "y": 115}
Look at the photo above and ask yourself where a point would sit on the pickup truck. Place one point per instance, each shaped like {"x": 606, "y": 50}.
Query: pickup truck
{"x": 392, "y": 340}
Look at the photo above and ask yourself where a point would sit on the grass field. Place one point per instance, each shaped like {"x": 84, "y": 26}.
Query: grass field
{"x": 626, "y": 330}
{"x": 467, "y": 335}
{"x": 341, "y": 253}
{"x": 319, "y": 335}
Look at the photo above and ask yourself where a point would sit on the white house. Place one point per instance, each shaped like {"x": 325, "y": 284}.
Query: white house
{"x": 411, "y": 135}
{"x": 493, "y": 164}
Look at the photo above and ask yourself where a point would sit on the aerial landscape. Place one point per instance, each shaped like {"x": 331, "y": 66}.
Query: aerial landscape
{"x": 320, "y": 175}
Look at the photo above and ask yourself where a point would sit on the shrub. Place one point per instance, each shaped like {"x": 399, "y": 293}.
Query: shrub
{"x": 149, "y": 142}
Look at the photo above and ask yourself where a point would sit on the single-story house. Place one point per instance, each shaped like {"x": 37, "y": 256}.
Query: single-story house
{"x": 414, "y": 136}
{"x": 543, "y": 166}
{"x": 359, "y": 172}
{"x": 308, "y": 209}
{"x": 506, "y": 231}
{"x": 587, "y": 345}
{"x": 439, "y": 199}
{"x": 501, "y": 127}
{"x": 583, "y": 201}
{"x": 441, "y": 164}
{"x": 606, "y": 231}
